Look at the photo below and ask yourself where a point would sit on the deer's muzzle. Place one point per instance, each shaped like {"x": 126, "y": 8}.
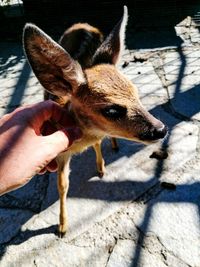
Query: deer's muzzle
{"x": 154, "y": 133}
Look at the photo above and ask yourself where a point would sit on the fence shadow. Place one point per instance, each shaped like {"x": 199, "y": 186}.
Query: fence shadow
{"x": 186, "y": 197}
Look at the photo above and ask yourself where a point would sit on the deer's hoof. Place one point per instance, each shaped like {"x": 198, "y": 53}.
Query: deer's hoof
{"x": 62, "y": 229}
{"x": 61, "y": 235}
{"x": 101, "y": 170}
{"x": 100, "y": 174}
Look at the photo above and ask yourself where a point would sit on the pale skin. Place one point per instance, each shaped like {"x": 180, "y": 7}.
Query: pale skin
{"x": 24, "y": 151}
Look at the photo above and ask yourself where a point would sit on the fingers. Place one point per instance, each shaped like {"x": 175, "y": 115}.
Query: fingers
{"x": 56, "y": 113}
{"x": 43, "y": 171}
{"x": 61, "y": 140}
{"x": 51, "y": 167}
{"x": 39, "y": 114}
{"x": 56, "y": 143}
{"x": 49, "y": 110}
{"x": 48, "y": 128}
{"x": 73, "y": 134}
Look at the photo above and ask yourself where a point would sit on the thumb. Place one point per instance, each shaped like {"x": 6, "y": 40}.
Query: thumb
{"x": 61, "y": 140}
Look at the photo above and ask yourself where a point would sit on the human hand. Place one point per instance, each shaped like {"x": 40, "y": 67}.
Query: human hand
{"x": 24, "y": 152}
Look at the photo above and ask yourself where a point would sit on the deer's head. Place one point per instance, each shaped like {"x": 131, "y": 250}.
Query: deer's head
{"x": 103, "y": 99}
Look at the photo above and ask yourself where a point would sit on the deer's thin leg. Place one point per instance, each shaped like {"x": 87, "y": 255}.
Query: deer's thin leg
{"x": 63, "y": 185}
{"x": 99, "y": 159}
{"x": 114, "y": 144}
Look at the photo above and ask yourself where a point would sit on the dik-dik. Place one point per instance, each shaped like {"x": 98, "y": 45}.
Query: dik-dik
{"x": 80, "y": 74}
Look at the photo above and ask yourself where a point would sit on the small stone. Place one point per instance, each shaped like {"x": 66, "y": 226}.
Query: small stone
{"x": 140, "y": 57}
{"x": 159, "y": 154}
{"x": 125, "y": 64}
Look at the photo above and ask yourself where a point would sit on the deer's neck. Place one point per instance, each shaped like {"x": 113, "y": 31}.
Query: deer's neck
{"x": 90, "y": 135}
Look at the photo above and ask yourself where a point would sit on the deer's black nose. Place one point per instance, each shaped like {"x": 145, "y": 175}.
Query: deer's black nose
{"x": 154, "y": 134}
{"x": 159, "y": 133}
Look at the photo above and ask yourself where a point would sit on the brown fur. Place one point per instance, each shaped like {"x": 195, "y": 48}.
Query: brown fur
{"x": 102, "y": 101}
{"x": 89, "y": 39}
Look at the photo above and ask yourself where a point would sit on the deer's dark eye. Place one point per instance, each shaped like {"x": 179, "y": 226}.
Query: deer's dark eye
{"x": 114, "y": 112}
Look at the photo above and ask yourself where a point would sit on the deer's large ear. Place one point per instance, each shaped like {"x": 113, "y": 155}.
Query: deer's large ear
{"x": 110, "y": 50}
{"x": 53, "y": 66}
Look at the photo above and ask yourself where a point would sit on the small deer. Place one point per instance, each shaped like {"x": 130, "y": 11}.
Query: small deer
{"x": 81, "y": 75}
